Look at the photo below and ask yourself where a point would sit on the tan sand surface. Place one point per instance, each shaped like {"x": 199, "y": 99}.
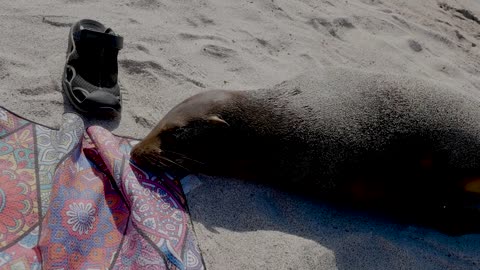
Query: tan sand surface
{"x": 174, "y": 49}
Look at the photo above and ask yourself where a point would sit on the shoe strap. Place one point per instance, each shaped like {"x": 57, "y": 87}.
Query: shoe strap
{"x": 89, "y": 37}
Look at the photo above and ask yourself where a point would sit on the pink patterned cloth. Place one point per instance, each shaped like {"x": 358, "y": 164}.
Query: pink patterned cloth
{"x": 71, "y": 199}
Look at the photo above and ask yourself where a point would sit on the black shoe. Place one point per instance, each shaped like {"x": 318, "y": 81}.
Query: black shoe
{"x": 90, "y": 78}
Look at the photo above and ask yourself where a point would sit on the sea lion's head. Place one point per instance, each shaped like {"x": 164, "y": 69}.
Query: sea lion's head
{"x": 192, "y": 136}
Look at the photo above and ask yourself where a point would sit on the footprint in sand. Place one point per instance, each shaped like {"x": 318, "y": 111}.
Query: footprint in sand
{"x": 414, "y": 45}
{"x": 460, "y": 13}
{"x": 146, "y": 4}
{"x": 142, "y": 121}
{"x": 318, "y": 23}
{"x": 206, "y": 21}
{"x": 200, "y": 21}
{"x": 58, "y": 21}
{"x": 337, "y": 25}
{"x": 40, "y": 90}
{"x": 218, "y": 51}
{"x": 343, "y": 22}
{"x": 142, "y": 48}
{"x": 150, "y": 68}
{"x": 191, "y": 37}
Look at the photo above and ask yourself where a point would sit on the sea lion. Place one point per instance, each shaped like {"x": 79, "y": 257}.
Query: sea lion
{"x": 335, "y": 133}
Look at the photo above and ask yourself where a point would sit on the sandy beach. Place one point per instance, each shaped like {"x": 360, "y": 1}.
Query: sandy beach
{"x": 174, "y": 49}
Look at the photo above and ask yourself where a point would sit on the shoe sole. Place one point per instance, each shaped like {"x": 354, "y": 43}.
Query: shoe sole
{"x": 105, "y": 111}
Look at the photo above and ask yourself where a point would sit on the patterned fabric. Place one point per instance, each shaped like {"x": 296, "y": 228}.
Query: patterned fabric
{"x": 71, "y": 199}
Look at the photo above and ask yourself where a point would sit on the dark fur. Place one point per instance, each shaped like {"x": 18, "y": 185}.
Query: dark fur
{"x": 337, "y": 132}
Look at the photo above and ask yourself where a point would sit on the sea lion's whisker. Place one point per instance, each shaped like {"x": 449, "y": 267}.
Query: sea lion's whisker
{"x": 162, "y": 164}
{"x": 174, "y": 163}
{"x": 183, "y": 156}
{"x": 155, "y": 161}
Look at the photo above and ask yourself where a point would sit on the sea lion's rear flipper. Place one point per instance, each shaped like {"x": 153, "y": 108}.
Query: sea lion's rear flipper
{"x": 472, "y": 186}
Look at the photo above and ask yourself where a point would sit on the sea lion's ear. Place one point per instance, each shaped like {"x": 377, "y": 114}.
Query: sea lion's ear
{"x": 216, "y": 120}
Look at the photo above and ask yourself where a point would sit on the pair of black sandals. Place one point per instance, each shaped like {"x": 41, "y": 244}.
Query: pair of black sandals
{"x": 90, "y": 77}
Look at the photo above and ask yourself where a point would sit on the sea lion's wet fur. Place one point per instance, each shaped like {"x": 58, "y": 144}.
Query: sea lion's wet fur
{"x": 366, "y": 135}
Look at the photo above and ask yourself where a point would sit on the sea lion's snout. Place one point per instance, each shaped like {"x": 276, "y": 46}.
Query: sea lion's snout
{"x": 136, "y": 152}
{"x": 144, "y": 152}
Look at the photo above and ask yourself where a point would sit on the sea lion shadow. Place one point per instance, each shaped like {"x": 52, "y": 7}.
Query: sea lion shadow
{"x": 239, "y": 206}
